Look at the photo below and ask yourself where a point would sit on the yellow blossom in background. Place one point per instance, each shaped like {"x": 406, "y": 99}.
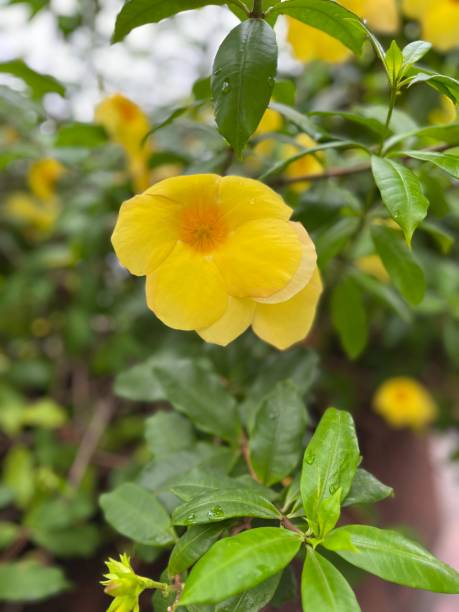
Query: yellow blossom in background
{"x": 127, "y": 125}
{"x": 308, "y": 164}
{"x": 220, "y": 254}
{"x": 403, "y": 402}
{"x": 30, "y": 212}
{"x": 270, "y": 122}
{"x": 372, "y": 265}
{"x": 439, "y": 21}
{"x": 445, "y": 113}
{"x": 310, "y": 44}
{"x": 43, "y": 176}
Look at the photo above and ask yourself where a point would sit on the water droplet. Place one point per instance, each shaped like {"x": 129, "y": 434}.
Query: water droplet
{"x": 216, "y": 513}
{"x": 226, "y": 87}
{"x": 271, "y": 81}
{"x": 190, "y": 518}
{"x": 310, "y": 458}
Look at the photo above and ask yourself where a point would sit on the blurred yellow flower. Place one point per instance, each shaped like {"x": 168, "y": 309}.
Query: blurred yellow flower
{"x": 29, "y": 212}
{"x": 42, "y": 178}
{"x": 219, "y": 254}
{"x": 372, "y": 265}
{"x": 308, "y": 164}
{"x": 403, "y": 402}
{"x": 439, "y": 21}
{"x": 445, "y": 113}
{"x": 127, "y": 125}
{"x": 310, "y": 44}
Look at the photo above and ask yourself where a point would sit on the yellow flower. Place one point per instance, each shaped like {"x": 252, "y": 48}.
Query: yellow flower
{"x": 372, "y": 265}
{"x": 270, "y": 122}
{"x": 403, "y": 402}
{"x": 220, "y": 254}
{"x": 40, "y": 216}
{"x": 127, "y": 125}
{"x": 310, "y": 44}
{"x": 445, "y": 113}
{"x": 123, "y": 584}
{"x": 439, "y": 21}
{"x": 42, "y": 178}
{"x": 308, "y": 164}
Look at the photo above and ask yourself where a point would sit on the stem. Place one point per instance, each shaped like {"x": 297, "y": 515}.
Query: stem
{"x": 240, "y": 5}
{"x": 390, "y": 111}
{"x": 257, "y": 10}
{"x": 289, "y": 525}
{"x": 246, "y": 455}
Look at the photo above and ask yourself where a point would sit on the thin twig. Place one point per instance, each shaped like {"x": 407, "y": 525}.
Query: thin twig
{"x": 90, "y": 440}
{"x": 246, "y": 455}
{"x": 289, "y": 525}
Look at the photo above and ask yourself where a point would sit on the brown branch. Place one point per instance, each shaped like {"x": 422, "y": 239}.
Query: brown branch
{"x": 246, "y": 455}
{"x": 289, "y": 525}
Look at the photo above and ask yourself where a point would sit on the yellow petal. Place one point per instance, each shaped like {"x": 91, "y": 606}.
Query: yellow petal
{"x": 309, "y": 44}
{"x": 441, "y": 25}
{"x": 146, "y": 232}
{"x": 415, "y": 8}
{"x": 243, "y": 200}
{"x": 284, "y": 324}
{"x": 190, "y": 190}
{"x": 259, "y": 258}
{"x": 382, "y": 16}
{"x": 186, "y": 291}
{"x": 304, "y": 272}
{"x": 237, "y": 318}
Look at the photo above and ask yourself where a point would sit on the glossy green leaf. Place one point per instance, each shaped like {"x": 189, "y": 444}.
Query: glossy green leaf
{"x": 223, "y": 504}
{"x": 243, "y": 79}
{"x": 298, "y": 119}
{"x": 401, "y": 193}
{"x": 394, "y": 62}
{"x": 168, "y": 432}
{"x": 349, "y": 316}
{"x": 330, "y": 462}
{"x": 196, "y": 391}
{"x": 196, "y": 541}
{"x": 384, "y": 294}
{"x": 137, "y": 514}
{"x": 445, "y": 161}
{"x": 135, "y": 13}
{"x": 30, "y": 581}
{"x": 393, "y": 557}
{"x": 366, "y": 489}
{"x": 238, "y": 563}
{"x": 445, "y": 85}
{"x": 398, "y": 260}
{"x": 330, "y": 17}
{"x": 276, "y": 439}
{"x": 252, "y": 600}
{"x": 40, "y": 84}
{"x": 324, "y": 588}
{"x": 415, "y": 51}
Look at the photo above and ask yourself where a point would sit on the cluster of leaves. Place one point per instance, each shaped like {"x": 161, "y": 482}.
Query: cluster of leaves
{"x": 71, "y": 322}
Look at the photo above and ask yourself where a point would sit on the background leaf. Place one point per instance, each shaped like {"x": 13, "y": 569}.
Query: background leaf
{"x": 30, "y": 581}
{"x": 366, "y": 489}
{"x": 349, "y": 316}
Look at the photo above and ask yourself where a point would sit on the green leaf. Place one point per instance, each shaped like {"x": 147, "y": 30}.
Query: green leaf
{"x": 168, "y": 432}
{"x": 74, "y": 541}
{"x": 324, "y": 588}
{"x": 445, "y": 161}
{"x": 136, "y": 13}
{"x": 445, "y": 85}
{"x": 284, "y": 91}
{"x": 394, "y": 62}
{"x": 349, "y": 316}
{"x": 398, "y": 260}
{"x": 243, "y": 79}
{"x": 415, "y": 51}
{"x": 401, "y": 193}
{"x": 196, "y": 391}
{"x": 223, "y": 504}
{"x": 40, "y": 84}
{"x": 330, "y": 17}
{"x": 140, "y": 383}
{"x": 8, "y": 533}
{"x": 137, "y": 514}
{"x": 448, "y": 133}
{"x": 331, "y": 239}
{"x": 383, "y": 294}
{"x": 30, "y": 581}
{"x": 252, "y": 600}
{"x": 298, "y": 119}
{"x": 19, "y": 474}
{"x": 44, "y": 413}
{"x": 239, "y": 563}
{"x": 192, "y": 545}
{"x": 443, "y": 238}
{"x": 366, "y": 489}
{"x": 81, "y": 135}
{"x": 393, "y": 557}
{"x": 330, "y": 462}
{"x": 276, "y": 439}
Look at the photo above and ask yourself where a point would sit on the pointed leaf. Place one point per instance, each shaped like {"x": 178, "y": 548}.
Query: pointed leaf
{"x": 192, "y": 545}
{"x": 349, "y": 316}
{"x": 445, "y": 161}
{"x": 366, "y": 489}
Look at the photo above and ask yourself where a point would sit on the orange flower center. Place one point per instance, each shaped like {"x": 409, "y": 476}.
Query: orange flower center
{"x": 202, "y": 228}
{"x": 126, "y": 109}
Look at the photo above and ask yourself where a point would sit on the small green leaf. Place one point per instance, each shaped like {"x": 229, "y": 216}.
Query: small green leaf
{"x": 30, "y": 581}
{"x": 239, "y": 563}
{"x": 394, "y": 62}
{"x": 194, "y": 389}
{"x": 349, "y": 316}
{"x": 330, "y": 511}
{"x": 243, "y": 79}
{"x": 136, "y": 13}
{"x": 19, "y": 474}
{"x": 8, "y": 533}
{"x": 445, "y": 85}
{"x": 137, "y": 514}
{"x": 223, "y": 504}
{"x": 401, "y": 193}
{"x": 324, "y": 588}
{"x": 40, "y": 84}
{"x": 83, "y": 135}
{"x": 139, "y": 383}
{"x": 168, "y": 432}
{"x": 330, "y": 17}
{"x": 192, "y": 545}
{"x": 445, "y": 161}
{"x": 415, "y": 51}
{"x": 393, "y": 557}
{"x": 330, "y": 462}
{"x": 276, "y": 440}
{"x": 366, "y": 489}
{"x": 197, "y": 482}
{"x": 398, "y": 260}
